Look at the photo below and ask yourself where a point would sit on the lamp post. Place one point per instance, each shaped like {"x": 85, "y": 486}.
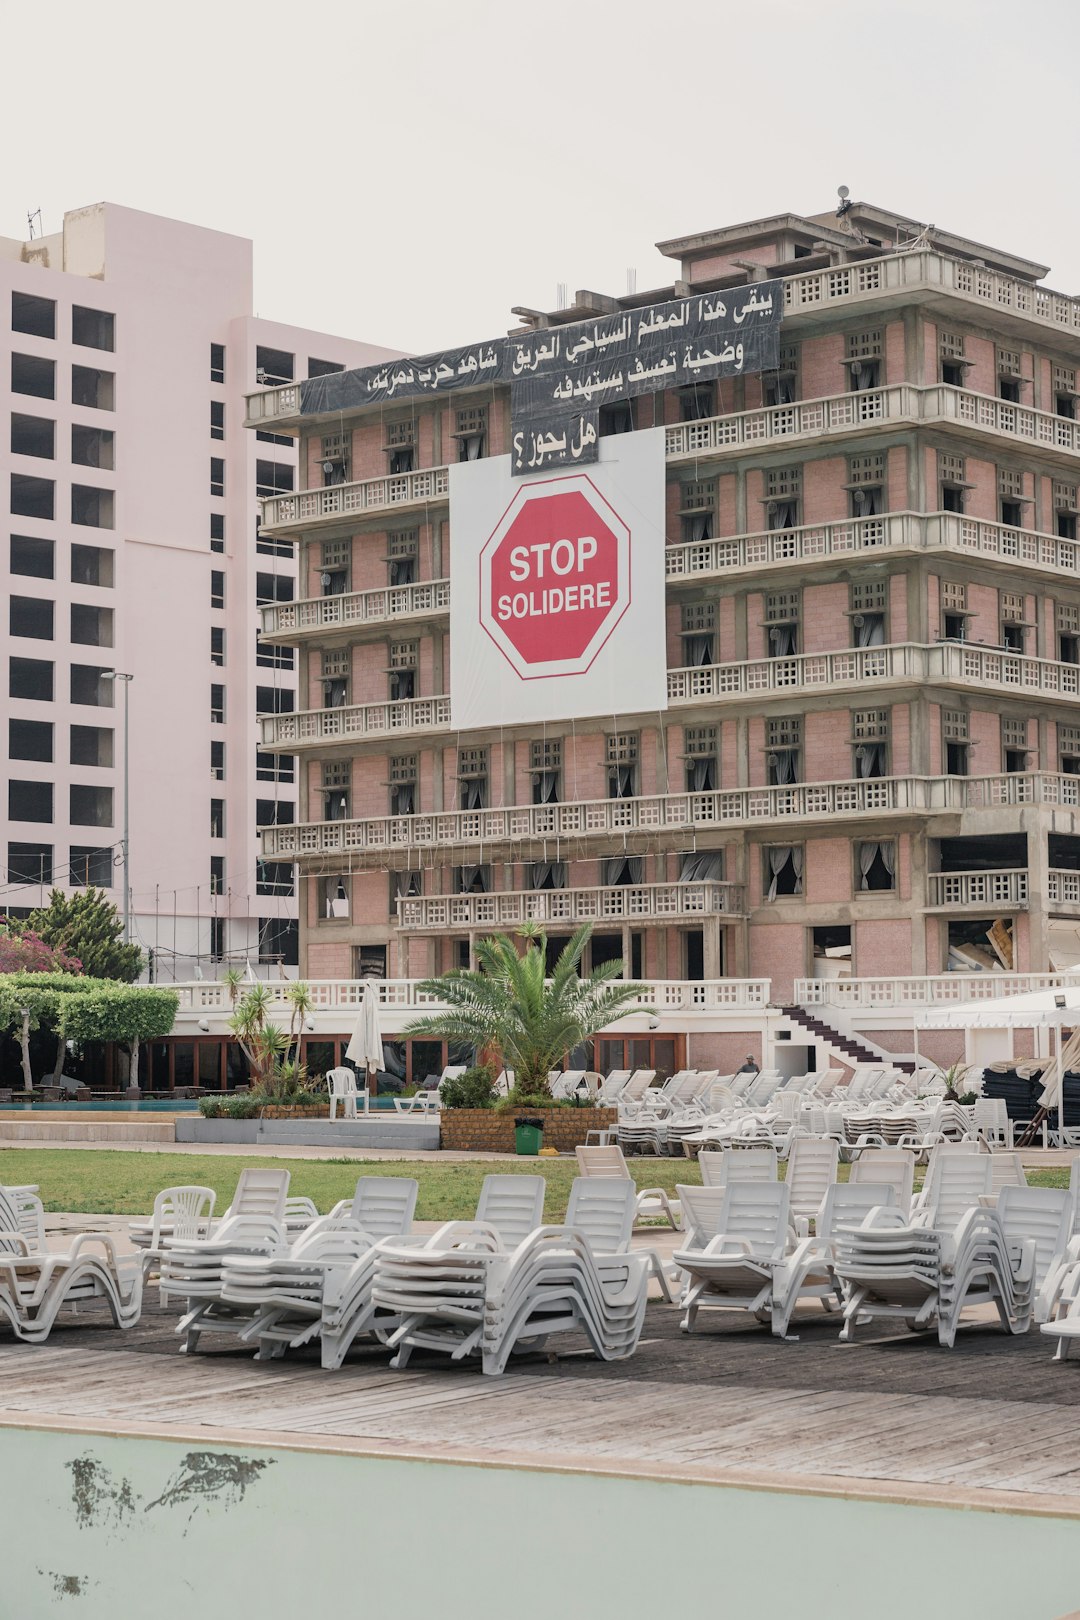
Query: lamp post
{"x": 117, "y": 675}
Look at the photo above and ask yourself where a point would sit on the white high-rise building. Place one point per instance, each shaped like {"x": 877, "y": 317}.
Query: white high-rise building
{"x": 132, "y": 550}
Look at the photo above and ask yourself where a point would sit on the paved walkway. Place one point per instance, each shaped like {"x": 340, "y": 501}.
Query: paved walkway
{"x": 1032, "y": 1158}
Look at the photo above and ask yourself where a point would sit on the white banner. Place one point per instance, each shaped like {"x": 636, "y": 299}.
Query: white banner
{"x": 557, "y": 588}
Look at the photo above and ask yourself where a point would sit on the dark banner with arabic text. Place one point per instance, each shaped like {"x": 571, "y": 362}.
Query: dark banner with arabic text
{"x": 561, "y": 377}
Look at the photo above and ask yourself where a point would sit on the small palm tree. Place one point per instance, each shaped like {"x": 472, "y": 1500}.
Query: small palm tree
{"x": 298, "y": 995}
{"x": 511, "y": 1005}
{"x": 261, "y": 1042}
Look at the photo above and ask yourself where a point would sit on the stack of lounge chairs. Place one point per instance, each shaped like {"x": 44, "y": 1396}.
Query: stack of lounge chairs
{"x": 489, "y": 1287}
{"x": 36, "y": 1283}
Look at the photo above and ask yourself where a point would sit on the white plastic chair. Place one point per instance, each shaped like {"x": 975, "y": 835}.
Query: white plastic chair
{"x": 341, "y": 1084}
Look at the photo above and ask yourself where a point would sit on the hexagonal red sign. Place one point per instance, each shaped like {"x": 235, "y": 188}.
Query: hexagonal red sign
{"x": 555, "y": 577}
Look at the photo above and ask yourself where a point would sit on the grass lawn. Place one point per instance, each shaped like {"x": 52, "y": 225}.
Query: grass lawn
{"x": 125, "y": 1183}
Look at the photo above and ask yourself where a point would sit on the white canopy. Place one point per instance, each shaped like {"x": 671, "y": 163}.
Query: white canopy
{"x": 1039, "y": 1009}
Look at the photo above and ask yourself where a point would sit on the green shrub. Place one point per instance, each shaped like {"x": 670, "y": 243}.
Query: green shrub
{"x": 473, "y": 1089}
{"x": 211, "y": 1107}
{"x": 528, "y": 1101}
{"x": 241, "y": 1105}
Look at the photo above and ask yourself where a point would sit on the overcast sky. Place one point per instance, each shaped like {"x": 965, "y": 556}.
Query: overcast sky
{"x": 410, "y": 171}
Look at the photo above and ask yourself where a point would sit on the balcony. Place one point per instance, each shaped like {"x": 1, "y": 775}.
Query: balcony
{"x": 1001, "y": 419}
{"x": 735, "y": 434}
{"x": 872, "y": 410}
{"x": 805, "y": 672}
{"x": 276, "y": 406}
{"x": 1063, "y": 890}
{"x": 998, "y": 891}
{"x": 295, "y": 622}
{"x": 305, "y": 727}
{"x": 517, "y": 827}
{"x": 973, "y": 665}
{"x": 937, "y": 990}
{"x": 928, "y": 275}
{"x": 695, "y": 560}
{"x": 675, "y": 996}
{"x": 335, "y": 504}
{"x": 638, "y": 905}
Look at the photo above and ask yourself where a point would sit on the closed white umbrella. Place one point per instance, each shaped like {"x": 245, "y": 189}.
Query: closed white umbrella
{"x": 365, "y": 1047}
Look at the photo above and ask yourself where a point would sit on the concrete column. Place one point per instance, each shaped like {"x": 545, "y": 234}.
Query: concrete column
{"x": 712, "y": 954}
{"x": 919, "y": 892}
{"x": 1037, "y": 827}
{"x": 742, "y": 752}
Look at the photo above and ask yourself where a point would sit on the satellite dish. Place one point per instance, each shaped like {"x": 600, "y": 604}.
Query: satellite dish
{"x": 843, "y": 192}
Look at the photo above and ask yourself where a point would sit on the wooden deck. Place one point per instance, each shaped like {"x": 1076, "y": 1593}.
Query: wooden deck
{"x": 990, "y": 1423}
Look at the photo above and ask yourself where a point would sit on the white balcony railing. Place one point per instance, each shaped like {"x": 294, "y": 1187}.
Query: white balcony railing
{"x": 953, "y": 662}
{"x": 672, "y": 812}
{"x": 805, "y": 419}
{"x": 676, "y": 813}
{"x": 287, "y": 513}
{"x": 1002, "y": 418}
{"x": 329, "y": 995}
{"x": 949, "y": 531}
{"x": 273, "y": 404}
{"x": 1003, "y": 671}
{"x": 856, "y": 666}
{"x": 356, "y": 608}
{"x": 846, "y": 283}
{"x": 1062, "y": 887}
{"x": 357, "y": 721}
{"x": 943, "y": 989}
{"x": 631, "y": 903}
{"x": 995, "y": 889}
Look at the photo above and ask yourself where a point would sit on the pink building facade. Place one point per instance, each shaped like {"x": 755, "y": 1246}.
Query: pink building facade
{"x": 131, "y": 547}
{"x": 869, "y": 762}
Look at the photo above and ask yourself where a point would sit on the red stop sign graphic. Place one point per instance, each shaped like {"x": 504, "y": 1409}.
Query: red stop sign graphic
{"x": 555, "y": 577}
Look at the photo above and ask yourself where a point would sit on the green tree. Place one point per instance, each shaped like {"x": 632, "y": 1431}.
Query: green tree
{"x": 511, "y": 1005}
{"x": 24, "y": 1008}
{"x": 87, "y": 925}
{"x": 83, "y": 1009}
{"x": 121, "y": 1012}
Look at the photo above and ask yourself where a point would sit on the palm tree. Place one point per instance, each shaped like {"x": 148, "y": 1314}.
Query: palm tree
{"x": 298, "y": 995}
{"x": 510, "y": 1004}
{"x": 261, "y": 1041}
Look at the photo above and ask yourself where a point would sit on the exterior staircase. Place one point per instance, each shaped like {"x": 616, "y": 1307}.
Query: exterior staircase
{"x": 846, "y": 1047}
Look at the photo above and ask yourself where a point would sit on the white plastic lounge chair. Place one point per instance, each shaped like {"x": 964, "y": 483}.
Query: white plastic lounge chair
{"x": 182, "y": 1213}
{"x": 721, "y": 1169}
{"x": 811, "y": 1172}
{"x": 445, "y": 1279}
{"x": 322, "y": 1287}
{"x": 609, "y": 1161}
{"x": 734, "y": 1269}
{"x": 36, "y": 1283}
{"x": 886, "y": 1167}
{"x": 462, "y": 1297}
{"x": 809, "y": 1272}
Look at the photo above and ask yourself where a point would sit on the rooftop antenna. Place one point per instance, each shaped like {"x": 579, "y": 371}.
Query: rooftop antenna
{"x": 844, "y": 194}
{"x": 561, "y": 299}
{"x": 631, "y": 282}
{"x": 30, "y": 218}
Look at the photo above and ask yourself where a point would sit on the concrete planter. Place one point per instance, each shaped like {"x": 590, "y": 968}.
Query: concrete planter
{"x": 483, "y": 1130}
{"x": 390, "y": 1131}
{"x": 298, "y": 1111}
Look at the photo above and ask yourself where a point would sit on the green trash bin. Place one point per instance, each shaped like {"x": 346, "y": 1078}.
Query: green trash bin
{"x": 528, "y": 1137}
